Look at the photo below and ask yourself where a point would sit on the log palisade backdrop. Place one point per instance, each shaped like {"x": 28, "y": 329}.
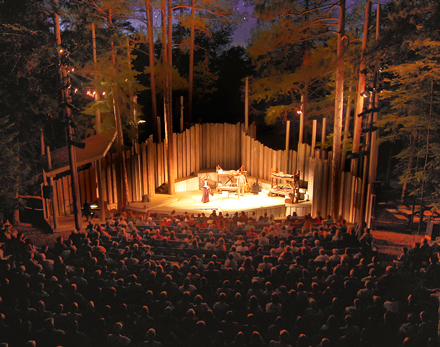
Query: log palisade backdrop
{"x": 200, "y": 149}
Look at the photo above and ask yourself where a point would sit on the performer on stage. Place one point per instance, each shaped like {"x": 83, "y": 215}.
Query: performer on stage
{"x": 206, "y": 192}
{"x": 241, "y": 182}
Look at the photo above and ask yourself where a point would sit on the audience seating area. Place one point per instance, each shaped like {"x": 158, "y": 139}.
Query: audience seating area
{"x": 185, "y": 280}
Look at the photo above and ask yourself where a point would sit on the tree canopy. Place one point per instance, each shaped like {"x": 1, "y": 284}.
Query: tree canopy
{"x": 410, "y": 91}
{"x": 292, "y": 56}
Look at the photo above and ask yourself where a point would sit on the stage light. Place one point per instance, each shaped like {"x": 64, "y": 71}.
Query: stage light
{"x": 91, "y": 93}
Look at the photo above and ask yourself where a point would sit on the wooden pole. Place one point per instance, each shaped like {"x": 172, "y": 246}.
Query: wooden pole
{"x": 101, "y": 189}
{"x": 53, "y": 199}
{"x": 314, "y": 127}
{"x": 159, "y": 128}
{"x": 181, "y": 113}
{"x": 301, "y": 123}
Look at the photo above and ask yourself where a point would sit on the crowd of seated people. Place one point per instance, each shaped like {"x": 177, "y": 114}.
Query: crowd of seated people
{"x": 211, "y": 281}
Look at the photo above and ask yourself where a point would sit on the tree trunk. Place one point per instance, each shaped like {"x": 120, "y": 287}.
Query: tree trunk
{"x": 359, "y": 107}
{"x": 168, "y": 115}
{"x": 149, "y": 10}
{"x": 133, "y": 102}
{"x": 171, "y": 168}
{"x": 359, "y": 93}
{"x": 97, "y": 95}
{"x": 191, "y": 63}
{"x": 426, "y": 158}
{"x": 342, "y": 203}
{"x": 69, "y": 132}
{"x": 339, "y": 105}
{"x": 389, "y": 161}
{"x": 123, "y": 195}
{"x": 405, "y": 184}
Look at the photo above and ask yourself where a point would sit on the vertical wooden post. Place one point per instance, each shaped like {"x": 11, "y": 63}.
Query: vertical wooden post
{"x": 101, "y": 185}
{"x": 181, "y": 113}
{"x": 314, "y": 127}
{"x": 301, "y": 122}
{"x": 42, "y": 142}
{"x": 287, "y": 144}
{"x": 246, "y": 106}
{"x": 53, "y": 199}
{"x": 159, "y": 130}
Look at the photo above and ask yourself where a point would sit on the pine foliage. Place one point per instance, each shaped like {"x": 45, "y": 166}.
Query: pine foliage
{"x": 411, "y": 116}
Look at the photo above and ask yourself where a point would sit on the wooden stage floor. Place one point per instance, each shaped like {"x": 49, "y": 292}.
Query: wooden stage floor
{"x": 191, "y": 202}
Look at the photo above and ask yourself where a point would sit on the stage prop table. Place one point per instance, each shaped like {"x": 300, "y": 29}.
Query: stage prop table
{"x": 290, "y": 187}
{"x": 227, "y": 179}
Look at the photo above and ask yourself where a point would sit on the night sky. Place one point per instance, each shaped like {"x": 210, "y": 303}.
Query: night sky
{"x": 243, "y": 32}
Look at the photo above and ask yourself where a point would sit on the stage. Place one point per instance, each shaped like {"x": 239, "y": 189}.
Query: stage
{"x": 226, "y": 202}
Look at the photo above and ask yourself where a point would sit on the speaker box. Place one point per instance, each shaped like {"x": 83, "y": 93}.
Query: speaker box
{"x": 146, "y": 198}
